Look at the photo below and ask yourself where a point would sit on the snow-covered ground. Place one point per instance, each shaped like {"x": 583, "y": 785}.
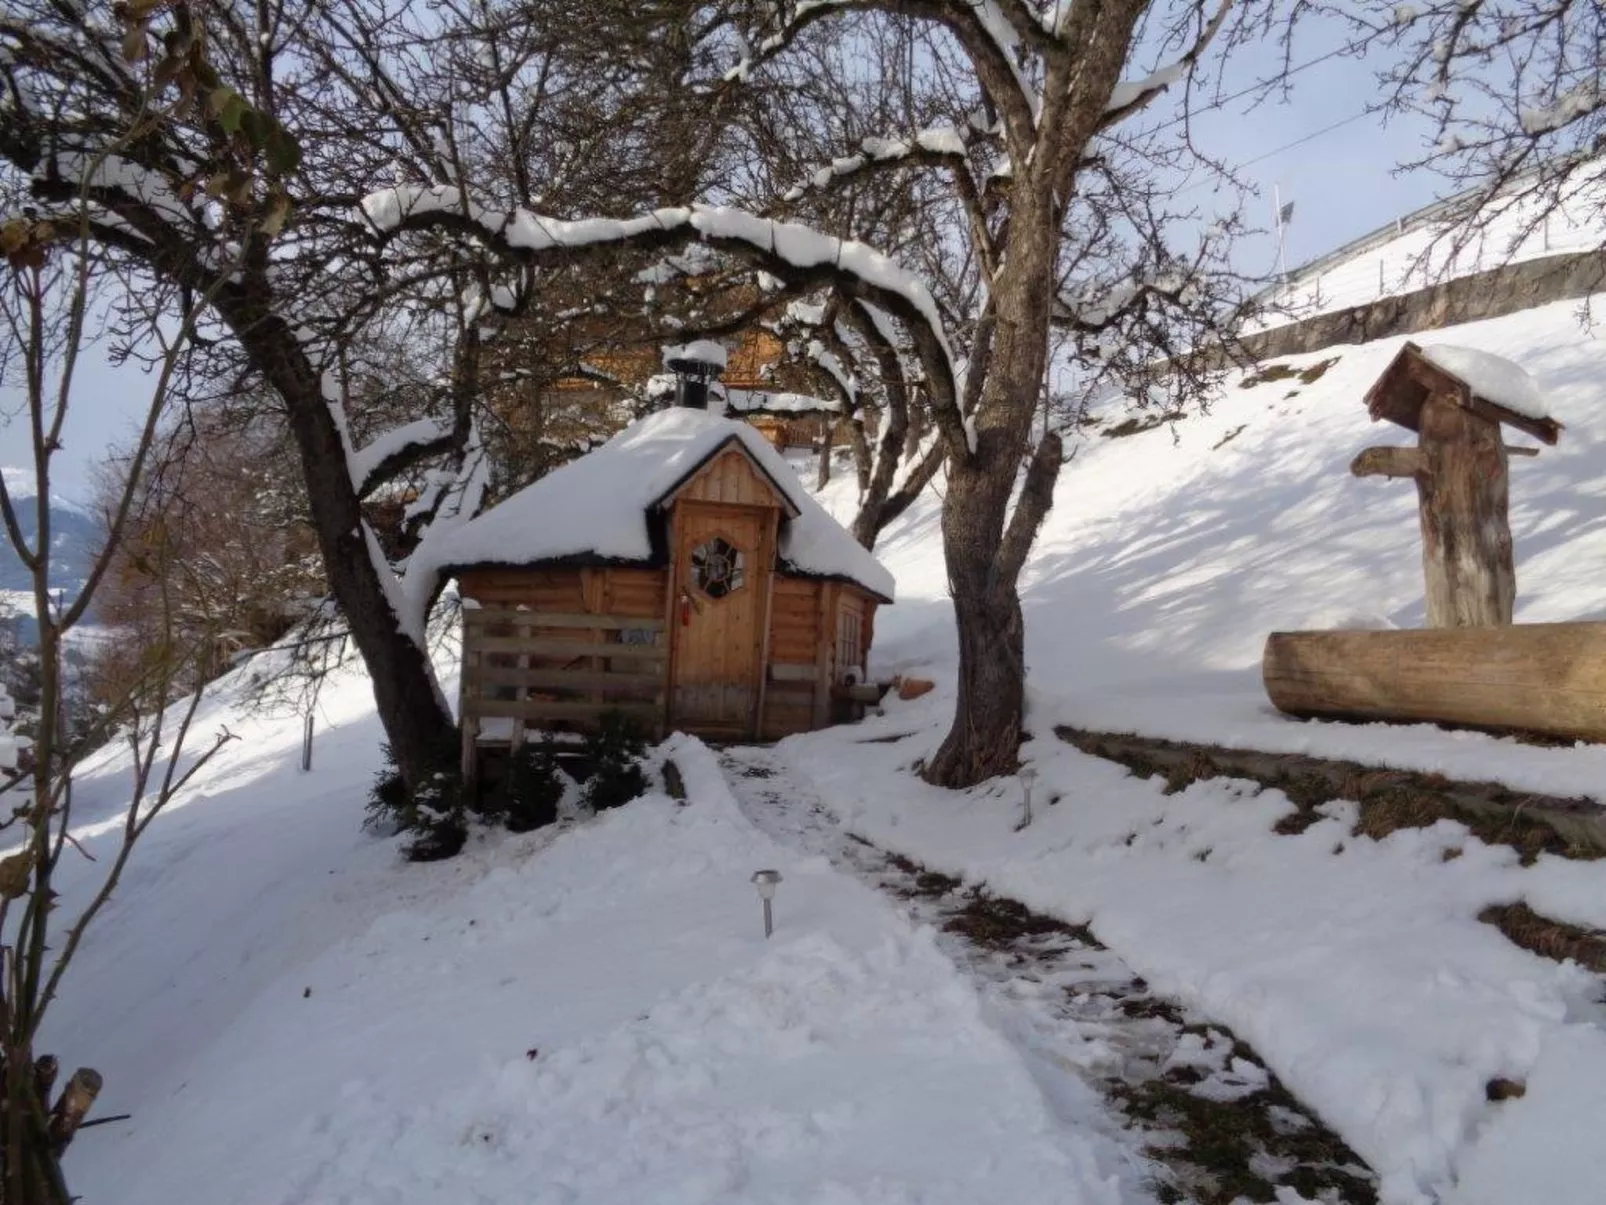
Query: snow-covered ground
{"x": 1357, "y": 968}
{"x": 1170, "y": 554}
{"x": 290, "y": 1015}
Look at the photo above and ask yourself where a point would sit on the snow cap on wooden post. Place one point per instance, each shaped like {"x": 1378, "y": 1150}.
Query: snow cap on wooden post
{"x": 1457, "y": 399}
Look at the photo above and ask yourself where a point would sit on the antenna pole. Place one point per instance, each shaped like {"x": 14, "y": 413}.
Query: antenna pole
{"x": 1282, "y": 260}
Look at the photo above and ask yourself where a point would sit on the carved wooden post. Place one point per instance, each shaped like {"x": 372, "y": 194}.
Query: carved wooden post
{"x": 1460, "y": 466}
{"x": 1460, "y": 469}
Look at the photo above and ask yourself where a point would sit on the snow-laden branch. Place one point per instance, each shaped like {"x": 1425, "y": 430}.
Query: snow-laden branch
{"x": 1131, "y": 96}
{"x": 384, "y": 456}
{"x": 1576, "y": 102}
{"x": 794, "y": 252}
{"x": 991, "y": 33}
{"x": 942, "y": 146}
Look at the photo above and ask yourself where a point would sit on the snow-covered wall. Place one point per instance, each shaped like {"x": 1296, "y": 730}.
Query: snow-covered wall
{"x": 1486, "y": 294}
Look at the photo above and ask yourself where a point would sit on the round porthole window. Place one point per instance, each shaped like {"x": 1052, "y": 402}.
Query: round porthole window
{"x": 718, "y": 567}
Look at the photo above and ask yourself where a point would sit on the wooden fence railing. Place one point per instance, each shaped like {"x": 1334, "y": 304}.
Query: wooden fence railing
{"x": 541, "y": 667}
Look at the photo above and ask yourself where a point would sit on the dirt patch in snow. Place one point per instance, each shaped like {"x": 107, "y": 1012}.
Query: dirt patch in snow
{"x": 1388, "y": 799}
{"x": 1270, "y": 373}
{"x": 1139, "y": 423}
{"x": 1546, "y": 937}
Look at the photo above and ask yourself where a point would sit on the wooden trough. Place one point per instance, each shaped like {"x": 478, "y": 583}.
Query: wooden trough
{"x": 1546, "y": 678}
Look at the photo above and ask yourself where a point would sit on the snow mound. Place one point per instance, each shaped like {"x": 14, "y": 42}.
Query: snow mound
{"x": 1493, "y": 378}
{"x": 597, "y": 506}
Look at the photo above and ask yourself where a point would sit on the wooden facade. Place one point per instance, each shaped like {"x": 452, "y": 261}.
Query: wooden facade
{"x": 722, "y": 640}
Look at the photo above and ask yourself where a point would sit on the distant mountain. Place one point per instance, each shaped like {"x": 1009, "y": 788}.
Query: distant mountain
{"x": 75, "y": 539}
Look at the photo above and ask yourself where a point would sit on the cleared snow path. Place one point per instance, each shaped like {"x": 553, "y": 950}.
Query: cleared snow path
{"x": 1179, "y": 1104}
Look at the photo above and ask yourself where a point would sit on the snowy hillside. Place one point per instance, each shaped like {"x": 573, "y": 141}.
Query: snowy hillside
{"x": 291, "y": 1014}
{"x": 1421, "y": 252}
{"x": 591, "y": 1015}
{"x": 1171, "y": 553}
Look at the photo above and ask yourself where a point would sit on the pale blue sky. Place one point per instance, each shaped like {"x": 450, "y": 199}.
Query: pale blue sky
{"x": 1342, "y": 184}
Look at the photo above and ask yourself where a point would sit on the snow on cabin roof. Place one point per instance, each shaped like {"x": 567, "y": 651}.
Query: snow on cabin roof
{"x": 597, "y": 506}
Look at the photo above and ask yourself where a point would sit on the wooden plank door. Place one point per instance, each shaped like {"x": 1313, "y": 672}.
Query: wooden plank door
{"x": 724, "y": 558}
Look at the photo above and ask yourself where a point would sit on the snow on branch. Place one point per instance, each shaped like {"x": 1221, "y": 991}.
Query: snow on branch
{"x": 1130, "y": 96}
{"x": 940, "y": 145}
{"x": 1576, "y": 102}
{"x": 112, "y": 173}
{"x": 795, "y": 252}
{"x": 382, "y": 457}
{"x": 992, "y": 33}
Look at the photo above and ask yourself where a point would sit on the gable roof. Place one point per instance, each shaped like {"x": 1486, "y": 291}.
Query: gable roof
{"x": 1493, "y": 388}
{"x": 597, "y": 506}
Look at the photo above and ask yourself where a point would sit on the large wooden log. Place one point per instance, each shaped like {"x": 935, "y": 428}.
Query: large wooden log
{"x": 1545, "y": 678}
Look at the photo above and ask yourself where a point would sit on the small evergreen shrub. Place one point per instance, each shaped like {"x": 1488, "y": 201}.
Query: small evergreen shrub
{"x": 615, "y": 750}
{"x": 530, "y": 791}
{"x": 433, "y": 814}
{"x": 388, "y": 805}
{"x": 439, "y": 824}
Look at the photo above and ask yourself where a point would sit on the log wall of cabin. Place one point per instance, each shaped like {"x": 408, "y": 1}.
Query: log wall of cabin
{"x": 793, "y": 673}
{"x": 817, "y": 631}
{"x": 529, "y": 640}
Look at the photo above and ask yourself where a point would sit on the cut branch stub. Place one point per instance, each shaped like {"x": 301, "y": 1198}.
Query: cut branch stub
{"x": 77, "y": 1098}
{"x": 1388, "y": 462}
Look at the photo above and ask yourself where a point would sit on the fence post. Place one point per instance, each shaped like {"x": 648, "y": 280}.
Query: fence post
{"x": 306, "y": 743}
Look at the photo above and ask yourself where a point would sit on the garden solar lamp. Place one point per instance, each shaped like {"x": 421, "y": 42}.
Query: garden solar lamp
{"x": 765, "y": 881}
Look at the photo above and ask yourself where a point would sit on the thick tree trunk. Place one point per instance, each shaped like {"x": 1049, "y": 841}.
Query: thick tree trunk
{"x": 823, "y": 478}
{"x": 417, "y": 724}
{"x": 861, "y": 450}
{"x": 985, "y": 737}
{"x": 984, "y": 544}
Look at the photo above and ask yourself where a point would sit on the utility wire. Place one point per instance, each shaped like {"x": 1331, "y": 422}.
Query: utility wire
{"x": 1287, "y": 146}
{"x": 1261, "y": 85}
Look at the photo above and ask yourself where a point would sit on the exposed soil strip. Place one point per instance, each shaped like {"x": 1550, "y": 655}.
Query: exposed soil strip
{"x": 1389, "y": 799}
{"x": 1548, "y": 938}
{"x": 1214, "y": 1123}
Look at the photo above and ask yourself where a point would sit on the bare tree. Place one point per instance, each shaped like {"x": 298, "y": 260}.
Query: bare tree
{"x": 1043, "y": 205}
{"x": 49, "y": 278}
{"x": 1058, "y": 182}
{"x": 568, "y": 101}
{"x": 1512, "y": 94}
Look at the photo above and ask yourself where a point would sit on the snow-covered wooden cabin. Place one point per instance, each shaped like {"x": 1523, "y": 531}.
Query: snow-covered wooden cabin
{"x": 679, "y": 573}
